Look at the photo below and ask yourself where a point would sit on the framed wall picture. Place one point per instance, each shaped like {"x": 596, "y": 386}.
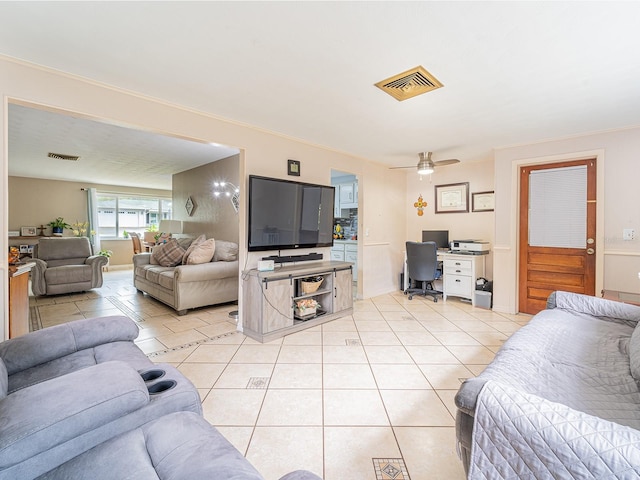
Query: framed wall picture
{"x": 483, "y": 201}
{"x": 452, "y": 198}
{"x": 293, "y": 167}
{"x": 28, "y": 231}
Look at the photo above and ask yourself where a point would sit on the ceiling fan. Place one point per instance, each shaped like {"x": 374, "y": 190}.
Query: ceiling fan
{"x": 426, "y": 165}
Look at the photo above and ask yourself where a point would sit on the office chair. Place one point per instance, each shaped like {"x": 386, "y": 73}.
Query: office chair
{"x": 422, "y": 266}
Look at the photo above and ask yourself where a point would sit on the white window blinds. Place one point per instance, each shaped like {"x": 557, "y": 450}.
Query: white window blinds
{"x": 558, "y": 207}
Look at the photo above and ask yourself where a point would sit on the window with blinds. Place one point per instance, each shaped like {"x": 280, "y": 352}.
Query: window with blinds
{"x": 558, "y": 207}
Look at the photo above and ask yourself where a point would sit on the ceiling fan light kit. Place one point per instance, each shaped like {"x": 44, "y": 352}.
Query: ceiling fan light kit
{"x": 426, "y": 166}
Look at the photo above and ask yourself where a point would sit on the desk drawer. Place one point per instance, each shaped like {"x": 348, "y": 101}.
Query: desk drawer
{"x": 455, "y": 263}
{"x": 457, "y": 270}
{"x": 458, "y": 285}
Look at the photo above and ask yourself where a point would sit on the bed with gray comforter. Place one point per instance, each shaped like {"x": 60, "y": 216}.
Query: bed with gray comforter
{"x": 560, "y": 399}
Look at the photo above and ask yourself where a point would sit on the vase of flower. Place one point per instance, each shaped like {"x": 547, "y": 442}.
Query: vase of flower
{"x": 306, "y": 307}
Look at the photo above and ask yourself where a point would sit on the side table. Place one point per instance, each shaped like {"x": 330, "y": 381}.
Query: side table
{"x": 19, "y": 298}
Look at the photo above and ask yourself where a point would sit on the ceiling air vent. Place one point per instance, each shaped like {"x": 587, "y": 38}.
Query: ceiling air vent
{"x": 409, "y": 84}
{"x": 60, "y": 156}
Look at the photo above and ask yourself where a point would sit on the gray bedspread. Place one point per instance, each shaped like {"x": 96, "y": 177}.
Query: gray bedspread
{"x": 522, "y": 436}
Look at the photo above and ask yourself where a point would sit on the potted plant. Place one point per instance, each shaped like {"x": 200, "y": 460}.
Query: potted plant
{"x": 106, "y": 253}
{"x": 57, "y": 226}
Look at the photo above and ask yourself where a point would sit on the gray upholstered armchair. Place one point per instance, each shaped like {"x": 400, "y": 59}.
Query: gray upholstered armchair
{"x": 66, "y": 265}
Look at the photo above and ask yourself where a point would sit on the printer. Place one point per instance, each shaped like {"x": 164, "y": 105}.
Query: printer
{"x": 471, "y": 247}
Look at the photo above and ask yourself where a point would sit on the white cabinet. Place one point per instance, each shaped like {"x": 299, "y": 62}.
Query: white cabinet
{"x": 346, "y": 197}
{"x": 460, "y": 273}
{"x": 337, "y": 253}
{"x": 269, "y": 298}
{"x": 351, "y": 254}
{"x": 345, "y": 252}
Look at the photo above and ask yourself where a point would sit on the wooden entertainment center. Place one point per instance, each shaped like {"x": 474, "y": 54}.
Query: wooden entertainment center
{"x": 270, "y": 297}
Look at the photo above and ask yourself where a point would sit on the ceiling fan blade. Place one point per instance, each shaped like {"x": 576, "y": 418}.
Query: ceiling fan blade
{"x": 450, "y": 161}
{"x": 393, "y": 168}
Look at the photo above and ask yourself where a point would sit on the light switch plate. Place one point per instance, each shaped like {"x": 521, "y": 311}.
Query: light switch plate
{"x": 628, "y": 234}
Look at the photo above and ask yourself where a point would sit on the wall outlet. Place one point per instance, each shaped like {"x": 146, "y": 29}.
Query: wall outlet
{"x": 628, "y": 234}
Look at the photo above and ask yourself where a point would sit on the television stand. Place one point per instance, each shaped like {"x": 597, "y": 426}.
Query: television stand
{"x": 294, "y": 258}
{"x": 270, "y": 298}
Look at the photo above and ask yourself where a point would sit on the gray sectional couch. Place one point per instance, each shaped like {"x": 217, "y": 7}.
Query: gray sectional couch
{"x": 80, "y": 400}
{"x": 561, "y": 399}
{"x": 190, "y": 286}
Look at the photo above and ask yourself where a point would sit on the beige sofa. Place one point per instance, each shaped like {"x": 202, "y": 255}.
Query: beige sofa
{"x": 190, "y": 286}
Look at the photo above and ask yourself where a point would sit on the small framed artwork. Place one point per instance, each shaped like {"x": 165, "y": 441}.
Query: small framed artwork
{"x": 483, "y": 201}
{"x": 452, "y": 198}
{"x": 293, "y": 167}
{"x": 28, "y": 231}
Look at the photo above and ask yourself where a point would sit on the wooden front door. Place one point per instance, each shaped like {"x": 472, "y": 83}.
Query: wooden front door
{"x": 557, "y": 231}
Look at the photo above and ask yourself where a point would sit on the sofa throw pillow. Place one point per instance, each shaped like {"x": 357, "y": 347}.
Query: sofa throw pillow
{"x": 168, "y": 254}
{"x": 192, "y": 247}
{"x": 203, "y": 253}
{"x": 225, "y": 251}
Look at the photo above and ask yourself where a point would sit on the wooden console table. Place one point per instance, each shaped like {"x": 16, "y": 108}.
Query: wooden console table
{"x": 19, "y": 299}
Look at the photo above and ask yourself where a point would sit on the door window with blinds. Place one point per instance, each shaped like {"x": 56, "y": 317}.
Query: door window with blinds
{"x": 558, "y": 207}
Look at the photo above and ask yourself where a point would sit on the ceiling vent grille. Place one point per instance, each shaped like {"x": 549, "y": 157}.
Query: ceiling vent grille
{"x": 61, "y": 156}
{"x": 409, "y": 84}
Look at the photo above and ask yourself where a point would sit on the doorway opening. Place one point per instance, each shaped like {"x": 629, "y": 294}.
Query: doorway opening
{"x": 345, "y": 224}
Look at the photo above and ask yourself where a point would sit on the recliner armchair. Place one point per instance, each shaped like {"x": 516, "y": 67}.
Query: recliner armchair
{"x": 66, "y": 265}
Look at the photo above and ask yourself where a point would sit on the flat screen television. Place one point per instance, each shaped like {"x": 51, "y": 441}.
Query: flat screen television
{"x": 441, "y": 237}
{"x": 285, "y": 214}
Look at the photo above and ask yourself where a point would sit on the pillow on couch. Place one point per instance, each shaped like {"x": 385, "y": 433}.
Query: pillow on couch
{"x": 225, "y": 251}
{"x": 202, "y": 253}
{"x": 192, "y": 247}
{"x": 168, "y": 254}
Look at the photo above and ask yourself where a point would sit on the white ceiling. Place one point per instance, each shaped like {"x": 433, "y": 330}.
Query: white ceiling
{"x": 513, "y": 72}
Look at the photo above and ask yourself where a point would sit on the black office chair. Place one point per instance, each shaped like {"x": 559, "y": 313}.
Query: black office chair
{"x": 422, "y": 266}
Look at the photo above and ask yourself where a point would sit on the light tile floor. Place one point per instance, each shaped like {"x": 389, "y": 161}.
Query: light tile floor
{"x": 342, "y": 399}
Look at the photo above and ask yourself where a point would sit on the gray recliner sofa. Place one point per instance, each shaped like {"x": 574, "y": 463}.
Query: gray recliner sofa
{"x": 66, "y": 265}
{"x": 177, "y": 446}
{"x": 81, "y": 400}
{"x": 67, "y": 388}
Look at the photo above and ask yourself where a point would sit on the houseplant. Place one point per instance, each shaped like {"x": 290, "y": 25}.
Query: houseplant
{"x": 106, "y": 253}
{"x": 57, "y": 226}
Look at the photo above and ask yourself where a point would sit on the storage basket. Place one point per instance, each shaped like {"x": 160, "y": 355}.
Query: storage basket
{"x": 310, "y": 287}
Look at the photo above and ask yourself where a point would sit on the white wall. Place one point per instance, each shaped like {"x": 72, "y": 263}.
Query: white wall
{"x": 618, "y": 261}
{"x": 262, "y": 153}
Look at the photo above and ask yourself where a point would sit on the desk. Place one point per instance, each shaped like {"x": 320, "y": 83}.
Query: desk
{"x": 19, "y": 299}
{"x": 459, "y": 274}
